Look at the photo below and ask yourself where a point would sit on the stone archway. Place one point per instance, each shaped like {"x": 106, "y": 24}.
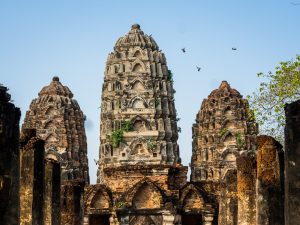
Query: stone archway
{"x": 146, "y": 197}
{"x": 99, "y": 219}
{"x": 191, "y": 219}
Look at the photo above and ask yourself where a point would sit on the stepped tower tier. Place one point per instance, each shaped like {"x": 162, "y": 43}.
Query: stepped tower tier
{"x": 224, "y": 128}
{"x": 138, "y": 116}
{"x": 59, "y": 121}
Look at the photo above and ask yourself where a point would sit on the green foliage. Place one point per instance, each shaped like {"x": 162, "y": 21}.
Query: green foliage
{"x": 117, "y": 135}
{"x": 151, "y": 144}
{"x": 170, "y": 76}
{"x": 240, "y": 142}
{"x": 121, "y": 204}
{"x": 274, "y": 92}
{"x": 222, "y": 132}
{"x": 126, "y": 126}
{"x": 117, "y": 138}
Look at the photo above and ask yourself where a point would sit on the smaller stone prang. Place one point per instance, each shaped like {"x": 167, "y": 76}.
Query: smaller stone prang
{"x": 59, "y": 121}
{"x": 292, "y": 163}
{"x": 224, "y": 128}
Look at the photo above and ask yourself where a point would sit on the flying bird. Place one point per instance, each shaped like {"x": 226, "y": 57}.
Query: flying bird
{"x": 96, "y": 161}
{"x": 183, "y": 50}
{"x": 198, "y": 68}
{"x": 234, "y": 49}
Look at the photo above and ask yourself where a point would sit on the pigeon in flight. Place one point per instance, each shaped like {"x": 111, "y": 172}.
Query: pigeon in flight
{"x": 198, "y": 68}
{"x": 183, "y": 50}
{"x": 234, "y": 49}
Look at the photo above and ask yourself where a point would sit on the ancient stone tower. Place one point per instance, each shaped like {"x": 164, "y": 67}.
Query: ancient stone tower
{"x": 58, "y": 120}
{"x": 224, "y": 131}
{"x": 138, "y": 116}
{"x": 224, "y": 128}
{"x": 140, "y": 175}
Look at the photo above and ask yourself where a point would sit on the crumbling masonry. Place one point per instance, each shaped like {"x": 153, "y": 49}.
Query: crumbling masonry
{"x": 237, "y": 177}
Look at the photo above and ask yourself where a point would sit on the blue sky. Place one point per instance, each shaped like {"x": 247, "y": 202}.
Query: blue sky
{"x": 72, "y": 38}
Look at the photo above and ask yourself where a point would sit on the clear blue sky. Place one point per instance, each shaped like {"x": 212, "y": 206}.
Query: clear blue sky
{"x": 72, "y": 38}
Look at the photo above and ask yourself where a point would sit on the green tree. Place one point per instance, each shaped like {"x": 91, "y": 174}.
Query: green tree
{"x": 276, "y": 89}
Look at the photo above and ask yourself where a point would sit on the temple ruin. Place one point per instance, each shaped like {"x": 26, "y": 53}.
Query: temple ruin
{"x": 237, "y": 176}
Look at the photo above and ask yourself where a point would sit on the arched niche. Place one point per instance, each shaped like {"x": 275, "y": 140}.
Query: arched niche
{"x": 146, "y": 197}
{"x": 137, "y": 68}
{"x": 50, "y": 111}
{"x": 230, "y": 157}
{"x": 229, "y": 140}
{"x": 138, "y": 86}
{"x": 51, "y": 138}
{"x": 227, "y": 112}
{"x": 138, "y": 103}
{"x": 49, "y": 125}
{"x": 139, "y": 126}
{"x": 137, "y": 54}
{"x": 193, "y": 201}
{"x": 139, "y": 149}
{"x": 227, "y": 124}
{"x": 101, "y": 200}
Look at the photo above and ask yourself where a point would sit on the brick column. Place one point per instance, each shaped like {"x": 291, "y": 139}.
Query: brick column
{"x": 292, "y": 163}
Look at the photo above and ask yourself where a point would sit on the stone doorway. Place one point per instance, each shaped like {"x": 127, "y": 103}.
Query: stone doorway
{"x": 99, "y": 220}
{"x": 191, "y": 219}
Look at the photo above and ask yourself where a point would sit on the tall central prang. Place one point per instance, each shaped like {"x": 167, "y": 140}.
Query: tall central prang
{"x": 138, "y": 116}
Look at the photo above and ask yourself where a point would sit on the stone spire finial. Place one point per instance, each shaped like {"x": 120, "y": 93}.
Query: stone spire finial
{"x": 135, "y": 26}
{"x": 224, "y": 84}
{"x": 55, "y": 78}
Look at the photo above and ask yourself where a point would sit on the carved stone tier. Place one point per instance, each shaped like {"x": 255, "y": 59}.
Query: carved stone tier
{"x": 224, "y": 128}
{"x": 58, "y": 120}
{"x": 138, "y": 116}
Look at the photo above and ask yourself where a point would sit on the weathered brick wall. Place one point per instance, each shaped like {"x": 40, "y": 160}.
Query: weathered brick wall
{"x": 72, "y": 202}
{"x": 9, "y": 160}
{"x": 269, "y": 184}
{"x": 292, "y": 163}
{"x": 52, "y": 193}
{"x": 31, "y": 179}
{"x": 246, "y": 190}
{"x": 228, "y": 202}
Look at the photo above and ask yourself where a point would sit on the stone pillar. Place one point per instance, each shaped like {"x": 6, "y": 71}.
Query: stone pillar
{"x": 168, "y": 219}
{"x": 72, "y": 202}
{"x": 31, "y": 179}
{"x": 246, "y": 190}
{"x": 86, "y": 220}
{"x": 52, "y": 193}
{"x": 125, "y": 220}
{"x": 207, "y": 219}
{"x": 228, "y": 203}
{"x": 292, "y": 163}
{"x": 9, "y": 159}
{"x": 269, "y": 183}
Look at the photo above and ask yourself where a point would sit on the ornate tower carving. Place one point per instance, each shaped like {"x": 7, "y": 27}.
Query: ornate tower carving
{"x": 224, "y": 128}
{"x": 58, "y": 120}
{"x": 138, "y": 116}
